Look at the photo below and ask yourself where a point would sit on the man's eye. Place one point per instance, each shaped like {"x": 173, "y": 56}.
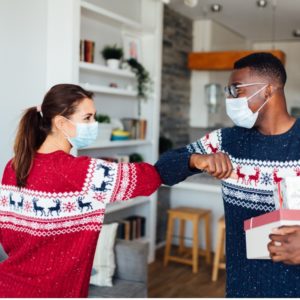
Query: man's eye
{"x": 238, "y": 91}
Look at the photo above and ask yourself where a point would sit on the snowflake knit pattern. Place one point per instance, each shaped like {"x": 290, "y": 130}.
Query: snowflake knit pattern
{"x": 260, "y": 161}
{"x": 50, "y": 228}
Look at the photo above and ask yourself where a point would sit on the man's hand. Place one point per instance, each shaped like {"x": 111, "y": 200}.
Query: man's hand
{"x": 217, "y": 165}
{"x": 285, "y": 245}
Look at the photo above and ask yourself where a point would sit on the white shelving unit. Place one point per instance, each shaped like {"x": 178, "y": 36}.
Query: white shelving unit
{"x": 113, "y": 207}
{"x": 106, "y": 22}
{"x": 107, "y": 26}
{"x": 105, "y": 70}
{"x": 118, "y": 144}
{"x": 108, "y": 90}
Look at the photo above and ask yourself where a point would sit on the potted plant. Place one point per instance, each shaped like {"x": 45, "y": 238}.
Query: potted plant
{"x": 105, "y": 127}
{"x": 144, "y": 82}
{"x": 135, "y": 157}
{"x": 112, "y": 55}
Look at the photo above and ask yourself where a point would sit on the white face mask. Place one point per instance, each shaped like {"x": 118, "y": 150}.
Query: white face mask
{"x": 239, "y": 112}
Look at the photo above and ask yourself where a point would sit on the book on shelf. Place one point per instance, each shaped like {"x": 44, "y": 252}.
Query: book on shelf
{"x": 136, "y": 127}
{"x": 123, "y": 231}
{"x": 81, "y": 50}
{"x": 133, "y": 227}
{"x": 87, "y": 51}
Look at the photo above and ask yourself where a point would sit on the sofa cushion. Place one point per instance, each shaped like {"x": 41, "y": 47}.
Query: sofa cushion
{"x": 3, "y": 255}
{"x": 131, "y": 260}
{"x": 104, "y": 261}
{"x": 121, "y": 289}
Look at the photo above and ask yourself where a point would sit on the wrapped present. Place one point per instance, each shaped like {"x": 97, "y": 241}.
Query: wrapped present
{"x": 258, "y": 229}
{"x": 287, "y": 193}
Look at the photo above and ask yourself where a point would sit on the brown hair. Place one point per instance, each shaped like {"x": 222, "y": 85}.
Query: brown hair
{"x": 61, "y": 99}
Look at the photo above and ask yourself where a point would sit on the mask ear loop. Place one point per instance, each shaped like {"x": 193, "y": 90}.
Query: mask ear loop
{"x": 256, "y": 94}
{"x": 65, "y": 134}
{"x": 264, "y": 103}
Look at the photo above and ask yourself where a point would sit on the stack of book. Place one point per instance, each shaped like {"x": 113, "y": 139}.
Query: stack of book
{"x": 136, "y": 127}
{"x": 131, "y": 228}
{"x": 87, "y": 51}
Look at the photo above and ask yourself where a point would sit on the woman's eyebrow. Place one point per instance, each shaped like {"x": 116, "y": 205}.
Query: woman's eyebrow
{"x": 88, "y": 115}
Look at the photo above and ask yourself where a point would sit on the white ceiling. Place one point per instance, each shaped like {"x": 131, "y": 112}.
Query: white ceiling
{"x": 248, "y": 20}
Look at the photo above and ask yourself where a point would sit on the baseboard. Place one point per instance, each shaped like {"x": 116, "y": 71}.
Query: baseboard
{"x": 160, "y": 245}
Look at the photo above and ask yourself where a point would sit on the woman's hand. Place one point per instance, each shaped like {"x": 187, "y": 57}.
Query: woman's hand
{"x": 218, "y": 164}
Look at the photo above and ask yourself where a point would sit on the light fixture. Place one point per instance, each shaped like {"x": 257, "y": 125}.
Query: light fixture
{"x": 216, "y": 7}
{"x": 261, "y": 3}
{"x": 296, "y": 33}
{"x": 213, "y": 96}
{"x": 191, "y": 3}
{"x": 166, "y": 1}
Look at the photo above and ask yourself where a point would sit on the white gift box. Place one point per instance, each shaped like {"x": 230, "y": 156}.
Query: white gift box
{"x": 287, "y": 193}
{"x": 259, "y": 228}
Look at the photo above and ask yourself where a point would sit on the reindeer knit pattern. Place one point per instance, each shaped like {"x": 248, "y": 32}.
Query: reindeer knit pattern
{"x": 260, "y": 161}
{"x": 50, "y": 228}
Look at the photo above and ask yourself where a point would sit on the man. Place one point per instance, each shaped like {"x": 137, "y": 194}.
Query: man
{"x": 249, "y": 158}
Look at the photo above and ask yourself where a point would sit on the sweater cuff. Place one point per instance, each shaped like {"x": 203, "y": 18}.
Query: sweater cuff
{"x": 173, "y": 167}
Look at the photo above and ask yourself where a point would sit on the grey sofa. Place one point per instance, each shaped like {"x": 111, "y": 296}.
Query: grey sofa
{"x": 3, "y": 255}
{"x": 130, "y": 280}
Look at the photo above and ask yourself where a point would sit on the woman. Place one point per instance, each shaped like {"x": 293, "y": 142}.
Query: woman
{"x": 52, "y": 204}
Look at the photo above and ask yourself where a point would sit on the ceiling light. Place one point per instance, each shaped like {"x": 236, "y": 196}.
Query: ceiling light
{"x": 191, "y": 3}
{"x": 216, "y": 7}
{"x": 296, "y": 33}
{"x": 166, "y": 1}
{"x": 261, "y": 3}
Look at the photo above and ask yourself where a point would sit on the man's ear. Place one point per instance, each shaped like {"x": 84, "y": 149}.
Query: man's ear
{"x": 269, "y": 90}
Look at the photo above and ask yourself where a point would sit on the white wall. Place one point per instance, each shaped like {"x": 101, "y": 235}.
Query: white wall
{"x": 23, "y": 64}
{"x": 210, "y": 36}
{"x": 62, "y": 38}
{"x": 210, "y": 200}
{"x": 37, "y": 42}
{"x": 292, "y": 51}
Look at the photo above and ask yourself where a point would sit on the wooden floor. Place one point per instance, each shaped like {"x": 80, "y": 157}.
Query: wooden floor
{"x": 178, "y": 281}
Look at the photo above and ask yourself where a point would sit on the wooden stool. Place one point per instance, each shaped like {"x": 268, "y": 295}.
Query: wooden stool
{"x": 195, "y": 215}
{"x": 220, "y": 250}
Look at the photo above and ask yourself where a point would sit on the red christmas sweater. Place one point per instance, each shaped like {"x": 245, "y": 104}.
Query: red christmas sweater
{"x": 50, "y": 228}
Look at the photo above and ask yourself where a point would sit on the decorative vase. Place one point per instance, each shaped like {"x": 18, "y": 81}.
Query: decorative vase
{"x": 105, "y": 130}
{"x": 113, "y": 63}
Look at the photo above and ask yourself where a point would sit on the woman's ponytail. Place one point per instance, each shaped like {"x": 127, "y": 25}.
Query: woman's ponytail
{"x": 30, "y": 136}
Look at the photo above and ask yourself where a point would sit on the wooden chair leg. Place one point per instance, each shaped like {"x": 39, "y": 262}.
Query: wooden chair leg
{"x": 181, "y": 236}
{"x": 168, "y": 240}
{"x": 208, "y": 238}
{"x": 223, "y": 245}
{"x": 195, "y": 244}
{"x": 217, "y": 254}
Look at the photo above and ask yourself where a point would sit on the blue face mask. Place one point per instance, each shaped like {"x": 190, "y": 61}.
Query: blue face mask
{"x": 86, "y": 134}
